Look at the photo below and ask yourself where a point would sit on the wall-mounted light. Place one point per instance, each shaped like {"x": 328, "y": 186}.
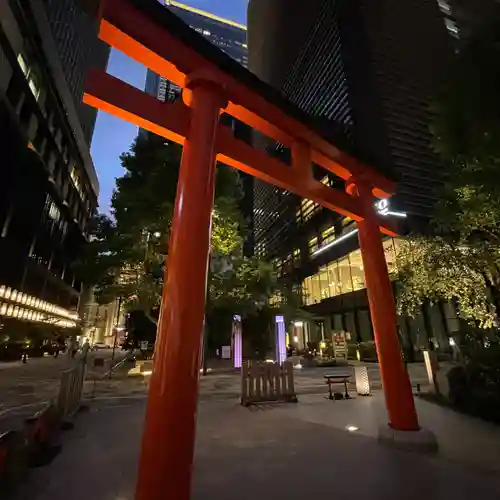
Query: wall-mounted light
{"x": 334, "y": 242}
{"x": 30, "y": 301}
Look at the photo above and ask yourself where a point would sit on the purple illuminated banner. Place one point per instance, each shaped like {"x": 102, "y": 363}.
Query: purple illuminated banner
{"x": 280, "y": 339}
{"x": 237, "y": 342}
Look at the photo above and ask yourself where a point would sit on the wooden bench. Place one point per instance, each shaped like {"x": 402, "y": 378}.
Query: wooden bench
{"x": 337, "y": 378}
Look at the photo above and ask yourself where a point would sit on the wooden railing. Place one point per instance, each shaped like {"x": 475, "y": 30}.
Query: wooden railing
{"x": 265, "y": 382}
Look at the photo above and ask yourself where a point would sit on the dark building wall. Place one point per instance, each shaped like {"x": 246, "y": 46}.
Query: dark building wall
{"x": 362, "y": 74}
{"x": 277, "y": 30}
{"x": 366, "y": 71}
{"x": 49, "y": 186}
{"x": 75, "y": 33}
{"x": 471, "y": 14}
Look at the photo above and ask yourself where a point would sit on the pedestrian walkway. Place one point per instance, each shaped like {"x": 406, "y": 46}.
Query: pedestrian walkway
{"x": 27, "y": 388}
{"x": 279, "y": 452}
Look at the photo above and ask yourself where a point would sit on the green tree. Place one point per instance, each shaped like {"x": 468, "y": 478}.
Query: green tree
{"x": 459, "y": 260}
{"x": 126, "y": 256}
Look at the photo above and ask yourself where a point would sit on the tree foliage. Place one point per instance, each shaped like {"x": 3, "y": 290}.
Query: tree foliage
{"x": 127, "y": 254}
{"x": 459, "y": 261}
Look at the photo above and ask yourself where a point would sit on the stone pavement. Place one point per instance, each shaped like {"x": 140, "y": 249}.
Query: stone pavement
{"x": 27, "y": 388}
{"x": 228, "y": 385}
{"x": 276, "y": 452}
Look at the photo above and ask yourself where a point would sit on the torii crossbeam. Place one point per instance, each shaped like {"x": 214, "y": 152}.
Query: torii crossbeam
{"x": 213, "y": 83}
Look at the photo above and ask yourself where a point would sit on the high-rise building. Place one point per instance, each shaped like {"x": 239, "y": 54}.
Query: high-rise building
{"x": 365, "y": 72}
{"x": 228, "y": 35}
{"x": 462, "y": 17}
{"x": 75, "y": 34}
{"x": 49, "y": 185}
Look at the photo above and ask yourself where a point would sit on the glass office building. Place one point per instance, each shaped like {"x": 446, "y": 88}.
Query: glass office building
{"x": 229, "y": 36}
{"x": 49, "y": 184}
{"x": 366, "y": 79}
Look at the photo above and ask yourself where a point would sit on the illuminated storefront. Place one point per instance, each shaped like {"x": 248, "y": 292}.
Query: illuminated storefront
{"x": 344, "y": 275}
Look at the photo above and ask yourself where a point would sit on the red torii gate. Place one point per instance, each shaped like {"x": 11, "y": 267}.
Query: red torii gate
{"x": 213, "y": 84}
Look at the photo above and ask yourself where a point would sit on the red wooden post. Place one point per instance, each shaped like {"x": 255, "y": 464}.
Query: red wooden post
{"x": 169, "y": 432}
{"x": 395, "y": 380}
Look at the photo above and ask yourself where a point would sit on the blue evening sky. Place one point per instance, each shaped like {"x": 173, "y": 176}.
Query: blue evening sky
{"x": 113, "y": 136}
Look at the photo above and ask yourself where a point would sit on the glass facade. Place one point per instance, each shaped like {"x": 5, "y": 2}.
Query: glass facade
{"x": 344, "y": 275}
{"x": 229, "y": 36}
{"x": 79, "y": 48}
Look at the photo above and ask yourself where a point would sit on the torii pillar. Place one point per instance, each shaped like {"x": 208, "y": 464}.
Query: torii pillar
{"x": 169, "y": 431}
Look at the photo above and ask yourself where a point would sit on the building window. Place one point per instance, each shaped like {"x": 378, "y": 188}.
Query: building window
{"x": 306, "y": 291}
{"x": 390, "y": 249}
{"x": 315, "y": 290}
{"x": 307, "y": 209}
{"x": 313, "y": 245}
{"x": 334, "y": 279}
{"x": 444, "y": 6}
{"x": 344, "y": 275}
{"x": 452, "y": 27}
{"x": 30, "y": 75}
{"x": 77, "y": 182}
{"x": 54, "y": 212}
{"x": 327, "y": 236}
{"x": 324, "y": 283}
{"x": 357, "y": 270}
{"x": 296, "y": 257}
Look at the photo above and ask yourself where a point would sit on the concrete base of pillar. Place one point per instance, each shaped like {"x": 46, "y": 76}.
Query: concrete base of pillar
{"x": 422, "y": 441}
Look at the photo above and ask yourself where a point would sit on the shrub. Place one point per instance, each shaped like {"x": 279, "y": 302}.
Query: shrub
{"x": 475, "y": 386}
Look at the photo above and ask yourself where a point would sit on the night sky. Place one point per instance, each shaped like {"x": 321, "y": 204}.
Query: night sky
{"x": 113, "y": 136}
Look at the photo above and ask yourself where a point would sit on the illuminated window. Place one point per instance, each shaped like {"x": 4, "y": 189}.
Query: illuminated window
{"x": 306, "y": 291}
{"x": 327, "y": 236}
{"x": 325, "y": 180}
{"x": 357, "y": 270}
{"x": 334, "y": 279}
{"x": 22, "y": 63}
{"x": 345, "y": 275}
{"x": 451, "y": 27}
{"x": 313, "y": 245}
{"x": 444, "y": 6}
{"x": 54, "y": 212}
{"x": 315, "y": 289}
{"x": 30, "y": 76}
{"x": 77, "y": 182}
{"x": 296, "y": 256}
{"x": 390, "y": 250}
{"x": 307, "y": 209}
{"x": 323, "y": 283}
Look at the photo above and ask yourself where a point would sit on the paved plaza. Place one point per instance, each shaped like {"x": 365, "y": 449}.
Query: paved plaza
{"x": 283, "y": 451}
{"x": 25, "y": 388}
